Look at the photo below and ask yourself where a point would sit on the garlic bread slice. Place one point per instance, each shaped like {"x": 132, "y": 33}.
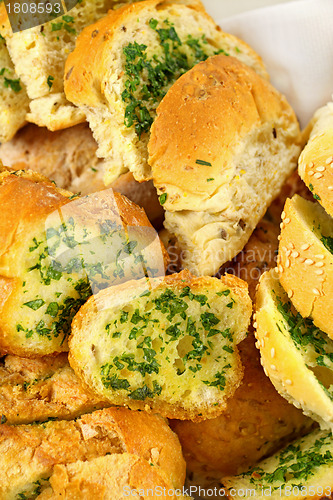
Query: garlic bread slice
{"x": 296, "y": 355}
{"x": 167, "y": 345}
{"x": 305, "y": 260}
{"x": 56, "y": 250}
{"x": 303, "y": 469}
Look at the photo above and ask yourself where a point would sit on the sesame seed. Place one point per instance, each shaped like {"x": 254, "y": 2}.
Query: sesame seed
{"x": 302, "y": 260}
{"x": 282, "y": 226}
{"x": 273, "y": 367}
{"x": 329, "y": 160}
{"x": 283, "y": 215}
{"x": 276, "y": 269}
{"x": 287, "y": 263}
{"x": 315, "y": 291}
{"x": 254, "y": 315}
{"x": 288, "y": 253}
{"x": 280, "y": 269}
{"x": 319, "y": 271}
{"x": 272, "y": 352}
{"x": 330, "y": 188}
{"x": 279, "y": 237}
{"x": 317, "y": 175}
{"x": 319, "y": 264}
{"x": 284, "y": 249}
{"x": 306, "y": 246}
{"x": 311, "y": 172}
{"x": 255, "y": 325}
{"x": 311, "y": 164}
{"x": 289, "y": 382}
{"x": 321, "y": 169}
{"x": 309, "y": 262}
{"x": 287, "y": 220}
{"x": 290, "y": 293}
{"x": 295, "y": 254}
{"x": 320, "y": 256}
{"x": 291, "y": 245}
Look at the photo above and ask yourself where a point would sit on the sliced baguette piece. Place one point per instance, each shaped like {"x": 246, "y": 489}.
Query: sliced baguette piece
{"x": 305, "y": 260}
{"x": 42, "y": 51}
{"x": 34, "y": 390}
{"x": 112, "y": 477}
{"x": 167, "y": 345}
{"x": 56, "y": 251}
{"x": 30, "y": 453}
{"x": 14, "y": 102}
{"x": 302, "y": 470}
{"x": 296, "y": 355}
{"x": 222, "y": 145}
{"x": 99, "y": 74}
{"x": 315, "y": 165}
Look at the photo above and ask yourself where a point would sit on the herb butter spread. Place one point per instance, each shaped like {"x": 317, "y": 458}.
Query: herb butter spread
{"x": 170, "y": 343}
{"x": 301, "y": 470}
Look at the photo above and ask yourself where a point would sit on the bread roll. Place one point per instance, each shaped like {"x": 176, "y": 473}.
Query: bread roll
{"x": 256, "y": 423}
{"x": 33, "y": 390}
{"x": 55, "y": 252}
{"x": 315, "y": 164}
{"x": 42, "y": 51}
{"x": 29, "y": 453}
{"x": 306, "y": 262}
{"x": 302, "y": 470}
{"x": 121, "y": 68}
{"x": 14, "y": 102}
{"x": 166, "y": 345}
{"x": 296, "y": 355}
{"x": 112, "y": 477}
{"x": 222, "y": 145}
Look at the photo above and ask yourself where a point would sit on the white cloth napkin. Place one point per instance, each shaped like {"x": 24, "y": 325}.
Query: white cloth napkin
{"x": 295, "y": 40}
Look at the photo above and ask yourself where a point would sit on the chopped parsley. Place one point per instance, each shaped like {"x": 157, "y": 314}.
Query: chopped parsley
{"x": 328, "y": 242}
{"x": 149, "y": 78}
{"x": 163, "y": 198}
{"x": 49, "y": 81}
{"x": 203, "y": 162}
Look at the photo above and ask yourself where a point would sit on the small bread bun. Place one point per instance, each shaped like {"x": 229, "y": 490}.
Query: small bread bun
{"x": 296, "y": 355}
{"x": 256, "y": 423}
{"x": 30, "y": 453}
{"x": 170, "y": 37}
{"x": 167, "y": 344}
{"x": 108, "y": 478}
{"x": 55, "y": 252}
{"x": 305, "y": 260}
{"x": 222, "y": 145}
{"x": 34, "y": 390}
{"x": 315, "y": 165}
{"x": 302, "y": 470}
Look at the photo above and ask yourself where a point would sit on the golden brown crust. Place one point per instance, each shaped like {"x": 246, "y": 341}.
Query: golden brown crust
{"x": 30, "y": 452}
{"x": 154, "y": 442}
{"x": 256, "y": 423}
{"x": 38, "y": 389}
{"x": 230, "y": 99}
{"x": 305, "y": 265}
{"x": 143, "y": 194}
{"x": 315, "y": 164}
{"x": 107, "y": 478}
